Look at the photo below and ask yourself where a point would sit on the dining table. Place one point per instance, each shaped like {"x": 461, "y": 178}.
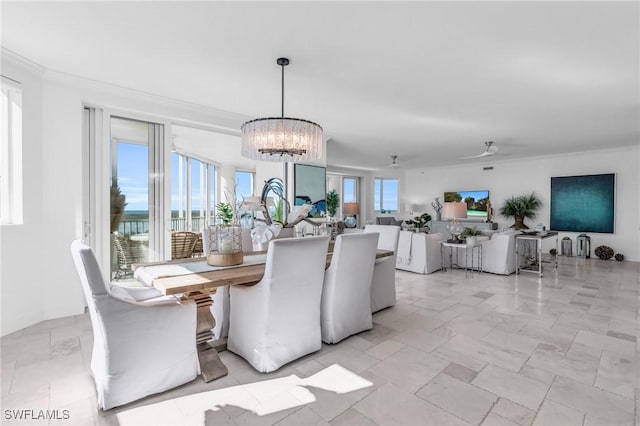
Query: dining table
{"x": 194, "y": 279}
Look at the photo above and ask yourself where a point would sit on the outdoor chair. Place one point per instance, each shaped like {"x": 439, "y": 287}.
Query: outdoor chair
{"x": 182, "y": 244}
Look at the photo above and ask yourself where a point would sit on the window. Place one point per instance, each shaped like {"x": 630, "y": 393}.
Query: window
{"x": 244, "y": 185}
{"x": 192, "y": 190}
{"x": 11, "y": 153}
{"x": 349, "y": 190}
{"x": 385, "y": 195}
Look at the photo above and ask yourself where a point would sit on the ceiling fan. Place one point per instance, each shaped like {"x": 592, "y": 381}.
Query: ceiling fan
{"x": 491, "y": 150}
{"x": 394, "y": 164}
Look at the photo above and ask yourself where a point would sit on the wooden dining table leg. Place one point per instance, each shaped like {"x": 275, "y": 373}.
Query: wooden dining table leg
{"x": 211, "y": 365}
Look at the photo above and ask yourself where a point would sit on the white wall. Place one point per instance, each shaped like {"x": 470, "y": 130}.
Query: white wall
{"x": 516, "y": 177}
{"x": 23, "y": 248}
{"x": 38, "y": 280}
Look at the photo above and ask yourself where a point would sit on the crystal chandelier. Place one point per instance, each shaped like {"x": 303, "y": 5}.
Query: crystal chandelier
{"x": 282, "y": 138}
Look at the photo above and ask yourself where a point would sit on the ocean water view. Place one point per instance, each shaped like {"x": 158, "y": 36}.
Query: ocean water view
{"x": 137, "y": 222}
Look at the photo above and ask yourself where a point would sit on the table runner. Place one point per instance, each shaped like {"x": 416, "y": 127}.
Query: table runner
{"x": 147, "y": 274}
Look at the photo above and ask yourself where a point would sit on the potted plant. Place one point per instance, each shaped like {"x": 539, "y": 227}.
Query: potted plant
{"x": 333, "y": 199}
{"x": 420, "y": 222}
{"x": 521, "y": 208}
{"x": 471, "y": 234}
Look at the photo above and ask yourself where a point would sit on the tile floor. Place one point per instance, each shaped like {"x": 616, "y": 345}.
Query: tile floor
{"x": 488, "y": 350}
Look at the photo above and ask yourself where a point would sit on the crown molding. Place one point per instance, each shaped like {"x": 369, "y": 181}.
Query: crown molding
{"x": 11, "y": 56}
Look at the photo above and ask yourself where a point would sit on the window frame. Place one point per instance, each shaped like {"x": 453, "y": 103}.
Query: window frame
{"x": 11, "y": 197}
{"x": 381, "y": 194}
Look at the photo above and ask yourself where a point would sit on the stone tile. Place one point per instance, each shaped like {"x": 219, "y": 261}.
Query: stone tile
{"x": 71, "y": 389}
{"x": 6, "y": 374}
{"x": 494, "y": 419}
{"x": 602, "y": 342}
{"x": 618, "y": 374}
{"x": 483, "y": 294}
{"x": 385, "y": 349}
{"x": 467, "y": 325}
{"x": 552, "y": 413}
{"x": 460, "y": 372}
{"x": 459, "y": 398}
{"x": 516, "y": 387}
{"x": 409, "y": 368}
{"x": 349, "y": 358}
{"x": 420, "y": 319}
{"x": 592, "y": 401}
{"x": 451, "y": 355}
{"x": 557, "y": 336}
{"x": 514, "y": 412}
{"x": 391, "y": 405}
{"x": 487, "y": 352}
{"x": 513, "y": 301}
{"x": 420, "y": 339}
{"x": 352, "y": 417}
{"x": 304, "y": 416}
{"x": 623, "y": 336}
{"x": 328, "y": 404}
{"x": 379, "y": 333}
{"x": 513, "y": 341}
{"x": 559, "y": 364}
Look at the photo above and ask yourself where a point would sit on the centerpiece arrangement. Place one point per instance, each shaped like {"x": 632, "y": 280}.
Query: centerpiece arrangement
{"x": 278, "y": 217}
{"x": 225, "y": 238}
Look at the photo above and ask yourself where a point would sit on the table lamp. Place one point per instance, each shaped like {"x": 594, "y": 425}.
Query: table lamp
{"x": 350, "y": 210}
{"x": 454, "y": 211}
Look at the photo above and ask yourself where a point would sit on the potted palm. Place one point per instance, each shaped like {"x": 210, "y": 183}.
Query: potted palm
{"x": 521, "y": 208}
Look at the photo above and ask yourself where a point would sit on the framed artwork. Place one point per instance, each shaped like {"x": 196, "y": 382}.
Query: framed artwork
{"x": 583, "y": 203}
{"x": 310, "y": 187}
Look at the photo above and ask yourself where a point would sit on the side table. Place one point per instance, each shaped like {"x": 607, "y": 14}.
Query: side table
{"x": 475, "y": 249}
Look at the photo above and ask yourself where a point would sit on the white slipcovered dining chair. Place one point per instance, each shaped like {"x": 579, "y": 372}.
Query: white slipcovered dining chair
{"x": 346, "y": 295}
{"x": 139, "y": 348}
{"x": 383, "y": 284}
{"x": 278, "y": 320}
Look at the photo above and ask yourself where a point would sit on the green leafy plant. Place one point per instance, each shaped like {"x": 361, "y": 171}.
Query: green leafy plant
{"x": 118, "y": 203}
{"x": 332, "y": 200}
{"x": 280, "y": 213}
{"x": 520, "y": 208}
{"x": 224, "y": 212}
{"x": 469, "y": 231}
{"x": 419, "y": 221}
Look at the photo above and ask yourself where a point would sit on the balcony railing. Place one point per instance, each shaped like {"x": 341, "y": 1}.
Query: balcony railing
{"x": 141, "y": 226}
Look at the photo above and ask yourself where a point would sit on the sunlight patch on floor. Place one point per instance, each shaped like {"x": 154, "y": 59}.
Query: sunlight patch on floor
{"x": 262, "y": 398}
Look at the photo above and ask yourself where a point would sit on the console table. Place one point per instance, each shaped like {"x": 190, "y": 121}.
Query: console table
{"x": 534, "y": 264}
{"x": 441, "y": 226}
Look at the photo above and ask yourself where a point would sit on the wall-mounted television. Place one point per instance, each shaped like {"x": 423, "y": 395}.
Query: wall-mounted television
{"x": 583, "y": 203}
{"x": 476, "y": 202}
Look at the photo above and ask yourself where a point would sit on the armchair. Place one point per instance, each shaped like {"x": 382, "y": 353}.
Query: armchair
{"x": 498, "y": 254}
{"x": 421, "y": 253}
{"x": 139, "y": 348}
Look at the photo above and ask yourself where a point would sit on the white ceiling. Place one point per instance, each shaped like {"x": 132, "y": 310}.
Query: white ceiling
{"x": 427, "y": 81}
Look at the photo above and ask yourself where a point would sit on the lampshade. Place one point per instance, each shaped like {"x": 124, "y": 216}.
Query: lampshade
{"x": 454, "y": 210}
{"x": 282, "y": 138}
{"x": 250, "y": 202}
{"x": 350, "y": 208}
{"x": 411, "y": 207}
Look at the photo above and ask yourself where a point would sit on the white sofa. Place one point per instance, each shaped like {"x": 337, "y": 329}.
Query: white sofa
{"x": 498, "y": 254}
{"x": 419, "y": 252}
